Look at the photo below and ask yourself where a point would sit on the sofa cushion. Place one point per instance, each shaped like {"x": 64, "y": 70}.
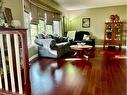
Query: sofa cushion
{"x": 79, "y": 36}
{"x": 48, "y": 43}
{"x": 61, "y": 45}
{"x": 40, "y": 36}
{"x": 52, "y": 43}
{"x": 59, "y": 39}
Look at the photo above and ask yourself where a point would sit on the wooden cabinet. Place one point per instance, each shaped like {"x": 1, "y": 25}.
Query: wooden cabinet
{"x": 113, "y": 33}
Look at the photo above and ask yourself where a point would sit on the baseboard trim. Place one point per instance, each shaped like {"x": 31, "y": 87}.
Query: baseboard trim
{"x": 98, "y": 45}
{"x": 124, "y": 47}
{"x": 33, "y": 57}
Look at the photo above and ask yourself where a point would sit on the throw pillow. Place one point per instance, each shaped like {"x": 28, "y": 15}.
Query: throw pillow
{"x": 57, "y": 39}
{"x": 85, "y": 37}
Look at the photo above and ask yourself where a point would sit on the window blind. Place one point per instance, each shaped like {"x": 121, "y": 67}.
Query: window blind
{"x": 49, "y": 18}
{"x": 27, "y": 5}
{"x": 41, "y": 14}
{"x": 56, "y": 17}
{"x": 34, "y": 14}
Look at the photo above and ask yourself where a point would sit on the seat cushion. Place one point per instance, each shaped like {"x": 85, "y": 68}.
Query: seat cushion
{"x": 79, "y": 36}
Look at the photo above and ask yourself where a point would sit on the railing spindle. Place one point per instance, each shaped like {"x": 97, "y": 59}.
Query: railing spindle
{"x": 4, "y": 62}
{"x": 9, "y": 47}
{"x": 18, "y": 63}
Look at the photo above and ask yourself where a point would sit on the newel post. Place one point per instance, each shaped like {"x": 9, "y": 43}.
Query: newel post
{"x": 27, "y": 87}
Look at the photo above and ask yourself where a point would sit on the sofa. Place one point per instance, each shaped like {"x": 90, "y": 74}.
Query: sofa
{"x": 82, "y": 37}
{"x": 52, "y": 46}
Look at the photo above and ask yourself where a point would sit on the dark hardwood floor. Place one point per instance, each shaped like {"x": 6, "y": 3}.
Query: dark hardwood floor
{"x": 103, "y": 74}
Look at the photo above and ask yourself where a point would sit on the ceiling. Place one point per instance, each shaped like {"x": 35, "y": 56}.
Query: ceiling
{"x": 84, "y": 4}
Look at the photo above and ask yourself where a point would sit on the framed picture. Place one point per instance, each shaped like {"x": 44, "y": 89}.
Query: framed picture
{"x": 85, "y": 22}
{"x": 8, "y": 15}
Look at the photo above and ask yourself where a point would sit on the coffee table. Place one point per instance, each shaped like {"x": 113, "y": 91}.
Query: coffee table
{"x": 81, "y": 50}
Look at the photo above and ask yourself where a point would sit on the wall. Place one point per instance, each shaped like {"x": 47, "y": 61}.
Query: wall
{"x": 97, "y": 16}
{"x": 16, "y": 9}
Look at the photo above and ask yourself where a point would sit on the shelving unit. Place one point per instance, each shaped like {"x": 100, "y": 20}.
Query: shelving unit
{"x": 113, "y": 33}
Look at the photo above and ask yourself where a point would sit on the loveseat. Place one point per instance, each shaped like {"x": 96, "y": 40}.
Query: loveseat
{"x": 82, "y": 37}
{"x": 52, "y": 46}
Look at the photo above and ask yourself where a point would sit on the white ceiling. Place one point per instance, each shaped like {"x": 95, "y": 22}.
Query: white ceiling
{"x": 83, "y": 4}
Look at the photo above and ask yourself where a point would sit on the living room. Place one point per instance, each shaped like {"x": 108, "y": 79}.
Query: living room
{"x": 69, "y": 21}
{"x": 74, "y": 18}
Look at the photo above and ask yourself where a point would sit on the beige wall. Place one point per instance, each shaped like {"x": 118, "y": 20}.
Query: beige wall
{"x": 98, "y": 17}
{"x": 16, "y": 8}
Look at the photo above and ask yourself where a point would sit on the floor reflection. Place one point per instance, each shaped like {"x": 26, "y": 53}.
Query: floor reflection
{"x": 41, "y": 81}
{"x": 43, "y": 77}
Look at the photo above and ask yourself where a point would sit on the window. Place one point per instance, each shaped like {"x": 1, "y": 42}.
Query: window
{"x": 49, "y": 29}
{"x": 41, "y": 26}
{"x": 27, "y": 25}
{"x": 33, "y": 29}
{"x": 56, "y": 27}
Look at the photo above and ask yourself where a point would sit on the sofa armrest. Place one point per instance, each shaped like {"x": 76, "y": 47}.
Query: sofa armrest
{"x": 38, "y": 42}
{"x": 47, "y": 43}
{"x": 60, "y": 45}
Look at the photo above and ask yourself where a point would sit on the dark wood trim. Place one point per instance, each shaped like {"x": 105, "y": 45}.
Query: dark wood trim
{"x": 27, "y": 87}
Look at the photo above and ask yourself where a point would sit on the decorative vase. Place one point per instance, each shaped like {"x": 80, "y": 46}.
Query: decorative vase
{"x": 112, "y": 18}
{"x": 117, "y": 18}
{"x": 15, "y": 23}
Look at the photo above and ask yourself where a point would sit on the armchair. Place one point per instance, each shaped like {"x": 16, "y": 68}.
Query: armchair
{"x": 48, "y": 47}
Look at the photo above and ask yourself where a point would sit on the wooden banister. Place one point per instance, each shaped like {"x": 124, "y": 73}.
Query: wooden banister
{"x": 21, "y": 33}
